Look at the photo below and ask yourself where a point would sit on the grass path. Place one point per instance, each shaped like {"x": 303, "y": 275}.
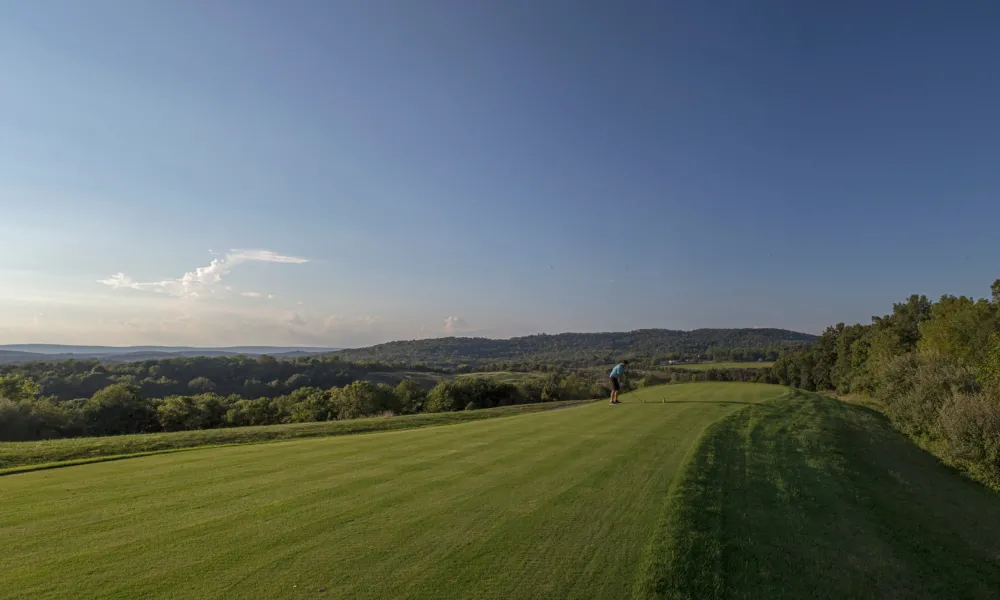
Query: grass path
{"x": 558, "y": 504}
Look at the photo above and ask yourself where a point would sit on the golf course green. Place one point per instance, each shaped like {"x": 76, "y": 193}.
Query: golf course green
{"x": 702, "y": 491}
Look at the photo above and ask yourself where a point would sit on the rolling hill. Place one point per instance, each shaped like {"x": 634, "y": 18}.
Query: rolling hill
{"x": 581, "y": 349}
{"x": 21, "y": 353}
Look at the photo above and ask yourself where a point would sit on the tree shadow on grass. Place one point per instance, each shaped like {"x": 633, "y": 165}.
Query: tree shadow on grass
{"x": 809, "y": 497}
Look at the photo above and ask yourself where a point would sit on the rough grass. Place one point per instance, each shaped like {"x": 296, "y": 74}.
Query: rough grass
{"x": 809, "y": 497}
{"x": 558, "y": 504}
{"x": 21, "y": 456}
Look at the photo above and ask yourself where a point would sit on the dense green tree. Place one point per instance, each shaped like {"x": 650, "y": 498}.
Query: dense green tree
{"x": 245, "y": 412}
{"x": 356, "y": 400}
{"x": 843, "y": 372}
{"x": 201, "y": 385}
{"x": 960, "y": 328}
{"x": 411, "y": 396}
{"x": 179, "y": 413}
{"x": 17, "y": 388}
{"x": 386, "y": 400}
{"x": 296, "y": 381}
{"x": 117, "y": 409}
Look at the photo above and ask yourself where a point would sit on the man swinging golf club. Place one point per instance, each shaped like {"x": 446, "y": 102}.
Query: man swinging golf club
{"x": 617, "y": 374}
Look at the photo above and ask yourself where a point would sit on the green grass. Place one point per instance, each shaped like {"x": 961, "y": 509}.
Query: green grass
{"x": 514, "y": 377}
{"x": 724, "y": 365}
{"x": 394, "y": 378}
{"x": 701, "y": 492}
{"x": 808, "y": 497}
{"x": 22, "y": 456}
{"x": 554, "y": 504}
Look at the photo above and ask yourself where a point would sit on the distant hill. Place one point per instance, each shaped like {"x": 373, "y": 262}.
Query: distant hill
{"x": 584, "y": 349}
{"x": 20, "y": 353}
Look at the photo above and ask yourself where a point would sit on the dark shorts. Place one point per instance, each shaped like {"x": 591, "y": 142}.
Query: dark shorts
{"x": 614, "y": 384}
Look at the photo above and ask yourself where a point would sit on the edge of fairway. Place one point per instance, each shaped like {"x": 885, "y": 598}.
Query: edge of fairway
{"x": 483, "y": 414}
{"x": 807, "y": 496}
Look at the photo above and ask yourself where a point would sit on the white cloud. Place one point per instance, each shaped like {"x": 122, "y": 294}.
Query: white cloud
{"x": 202, "y": 281}
{"x": 455, "y": 324}
{"x": 117, "y": 281}
{"x": 253, "y": 294}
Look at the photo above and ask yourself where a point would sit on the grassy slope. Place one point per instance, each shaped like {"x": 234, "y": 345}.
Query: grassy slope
{"x": 19, "y": 456}
{"x": 812, "y": 498}
{"x": 557, "y": 504}
{"x": 514, "y": 377}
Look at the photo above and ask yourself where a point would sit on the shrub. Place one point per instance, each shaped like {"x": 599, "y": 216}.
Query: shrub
{"x": 913, "y": 388}
{"x": 970, "y": 428}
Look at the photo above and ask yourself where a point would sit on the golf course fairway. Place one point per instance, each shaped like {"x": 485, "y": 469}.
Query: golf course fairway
{"x": 699, "y": 492}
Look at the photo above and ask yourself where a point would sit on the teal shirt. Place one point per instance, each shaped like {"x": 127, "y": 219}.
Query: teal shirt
{"x": 617, "y": 371}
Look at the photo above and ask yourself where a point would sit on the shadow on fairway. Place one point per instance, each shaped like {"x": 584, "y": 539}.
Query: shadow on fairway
{"x": 809, "y": 497}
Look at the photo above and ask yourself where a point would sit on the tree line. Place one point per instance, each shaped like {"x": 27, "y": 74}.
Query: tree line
{"x": 247, "y": 376}
{"x": 932, "y": 367}
{"x": 121, "y": 408}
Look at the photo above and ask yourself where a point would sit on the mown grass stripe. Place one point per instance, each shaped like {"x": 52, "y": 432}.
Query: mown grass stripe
{"x": 23, "y": 457}
{"x": 554, "y": 504}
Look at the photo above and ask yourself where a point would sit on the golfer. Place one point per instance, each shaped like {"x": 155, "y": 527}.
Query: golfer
{"x": 617, "y": 374}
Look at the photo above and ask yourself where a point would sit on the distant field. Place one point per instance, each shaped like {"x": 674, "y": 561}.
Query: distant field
{"x": 508, "y": 376}
{"x": 725, "y": 365}
{"x": 701, "y": 491}
{"x": 393, "y": 378}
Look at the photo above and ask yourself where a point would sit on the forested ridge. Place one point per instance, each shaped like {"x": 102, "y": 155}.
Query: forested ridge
{"x": 588, "y": 349}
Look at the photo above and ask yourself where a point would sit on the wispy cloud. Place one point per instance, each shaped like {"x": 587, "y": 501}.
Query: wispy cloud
{"x": 252, "y": 294}
{"x": 203, "y": 280}
{"x": 296, "y": 318}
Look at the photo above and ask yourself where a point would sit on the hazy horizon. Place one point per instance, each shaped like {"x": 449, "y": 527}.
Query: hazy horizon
{"x": 343, "y": 347}
{"x": 344, "y": 174}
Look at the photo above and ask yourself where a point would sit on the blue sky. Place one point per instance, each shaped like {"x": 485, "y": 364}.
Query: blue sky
{"x": 342, "y": 173}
